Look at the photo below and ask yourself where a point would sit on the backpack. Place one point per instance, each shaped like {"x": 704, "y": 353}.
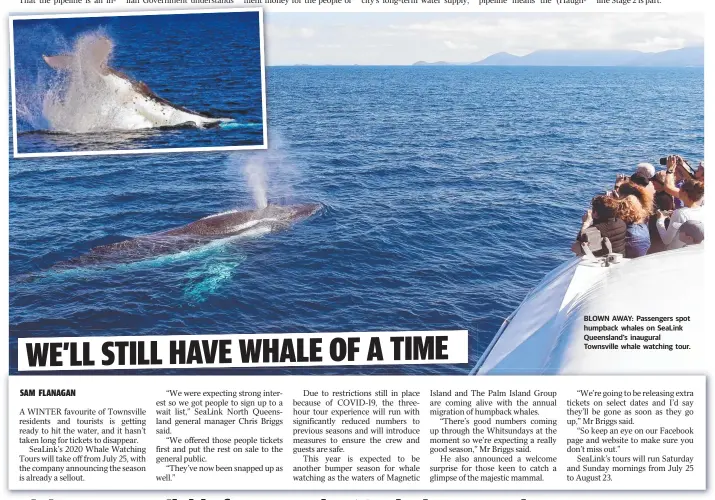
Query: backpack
{"x": 594, "y": 243}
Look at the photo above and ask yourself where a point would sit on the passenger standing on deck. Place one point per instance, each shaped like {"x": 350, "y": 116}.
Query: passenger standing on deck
{"x": 692, "y": 193}
{"x": 677, "y": 174}
{"x": 602, "y": 216}
{"x": 635, "y": 216}
{"x": 663, "y": 202}
{"x": 643, "y": 175}
{"x": 645, "y": 197}
{"x": 700, "y": 172}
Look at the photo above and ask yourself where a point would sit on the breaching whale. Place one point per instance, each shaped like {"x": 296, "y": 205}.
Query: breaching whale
{"x": 222, "y": 226}
{"x": 97, "y": 97}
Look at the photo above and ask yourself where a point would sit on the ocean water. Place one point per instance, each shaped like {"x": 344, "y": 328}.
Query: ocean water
{"x": 449, "y": 192}
{"x": 208, "y": 63}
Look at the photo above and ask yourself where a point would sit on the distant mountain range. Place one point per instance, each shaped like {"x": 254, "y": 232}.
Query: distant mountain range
{"x": 689, "y": 56}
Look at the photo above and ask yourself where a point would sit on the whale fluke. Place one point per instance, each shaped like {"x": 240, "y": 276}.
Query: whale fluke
{"x": 95, "y": 54}
{"x": 61, "y": 63}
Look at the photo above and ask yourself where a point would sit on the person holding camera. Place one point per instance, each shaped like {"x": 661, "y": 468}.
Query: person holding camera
{"x": 676, "y": 173}
{"x": 662, "y": 201}
{"x": 691, "y": 194}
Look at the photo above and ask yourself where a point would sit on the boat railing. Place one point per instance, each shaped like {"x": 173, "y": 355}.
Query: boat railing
{"x": 588, "y": 259}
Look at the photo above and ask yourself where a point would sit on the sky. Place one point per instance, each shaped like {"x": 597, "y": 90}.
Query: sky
{"x": 404, "y": 38}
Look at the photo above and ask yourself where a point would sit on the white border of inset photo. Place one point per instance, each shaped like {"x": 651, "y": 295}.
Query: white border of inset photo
{"x": 16, "y": 154}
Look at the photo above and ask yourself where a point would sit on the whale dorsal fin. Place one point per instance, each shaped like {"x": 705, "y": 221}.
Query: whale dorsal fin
{"x": 95, "y": 54}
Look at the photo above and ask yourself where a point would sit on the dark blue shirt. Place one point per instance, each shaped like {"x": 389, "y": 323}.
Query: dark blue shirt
{"x": 637, "y": 240}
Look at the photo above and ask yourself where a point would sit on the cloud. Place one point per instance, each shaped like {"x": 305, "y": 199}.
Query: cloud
{"x": 459, "y": 46}
{"x": 403, "y": 38}
{"x": 521, "y": 34}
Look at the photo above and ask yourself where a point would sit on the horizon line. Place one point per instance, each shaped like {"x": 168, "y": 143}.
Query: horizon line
{"x": 422, "y": 62}
{"x": 471, "y": 64}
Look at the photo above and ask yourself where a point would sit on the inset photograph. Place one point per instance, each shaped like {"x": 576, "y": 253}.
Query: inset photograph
{"x": 128, "y": 83}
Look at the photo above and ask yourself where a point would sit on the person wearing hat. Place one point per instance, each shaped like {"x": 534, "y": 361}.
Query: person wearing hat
{"x": 643, "y": 175}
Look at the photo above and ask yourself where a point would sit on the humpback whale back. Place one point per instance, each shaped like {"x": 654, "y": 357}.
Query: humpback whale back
{"x": 215, "y": 227}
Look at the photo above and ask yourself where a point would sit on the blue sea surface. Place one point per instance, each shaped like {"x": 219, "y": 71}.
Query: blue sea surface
{"x": 449, "y": 192}
{"x": 208, "y": 63}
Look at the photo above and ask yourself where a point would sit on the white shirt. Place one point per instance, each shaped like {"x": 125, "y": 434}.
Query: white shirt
{"x": 670, "y": 236}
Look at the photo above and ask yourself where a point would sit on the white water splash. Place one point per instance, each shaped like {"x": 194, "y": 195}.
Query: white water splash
{"x": 74, "y": 89}
{"x": 209, "y": 278}
{"x": 33, "y": 78}
{"x": 85, "y": 101}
